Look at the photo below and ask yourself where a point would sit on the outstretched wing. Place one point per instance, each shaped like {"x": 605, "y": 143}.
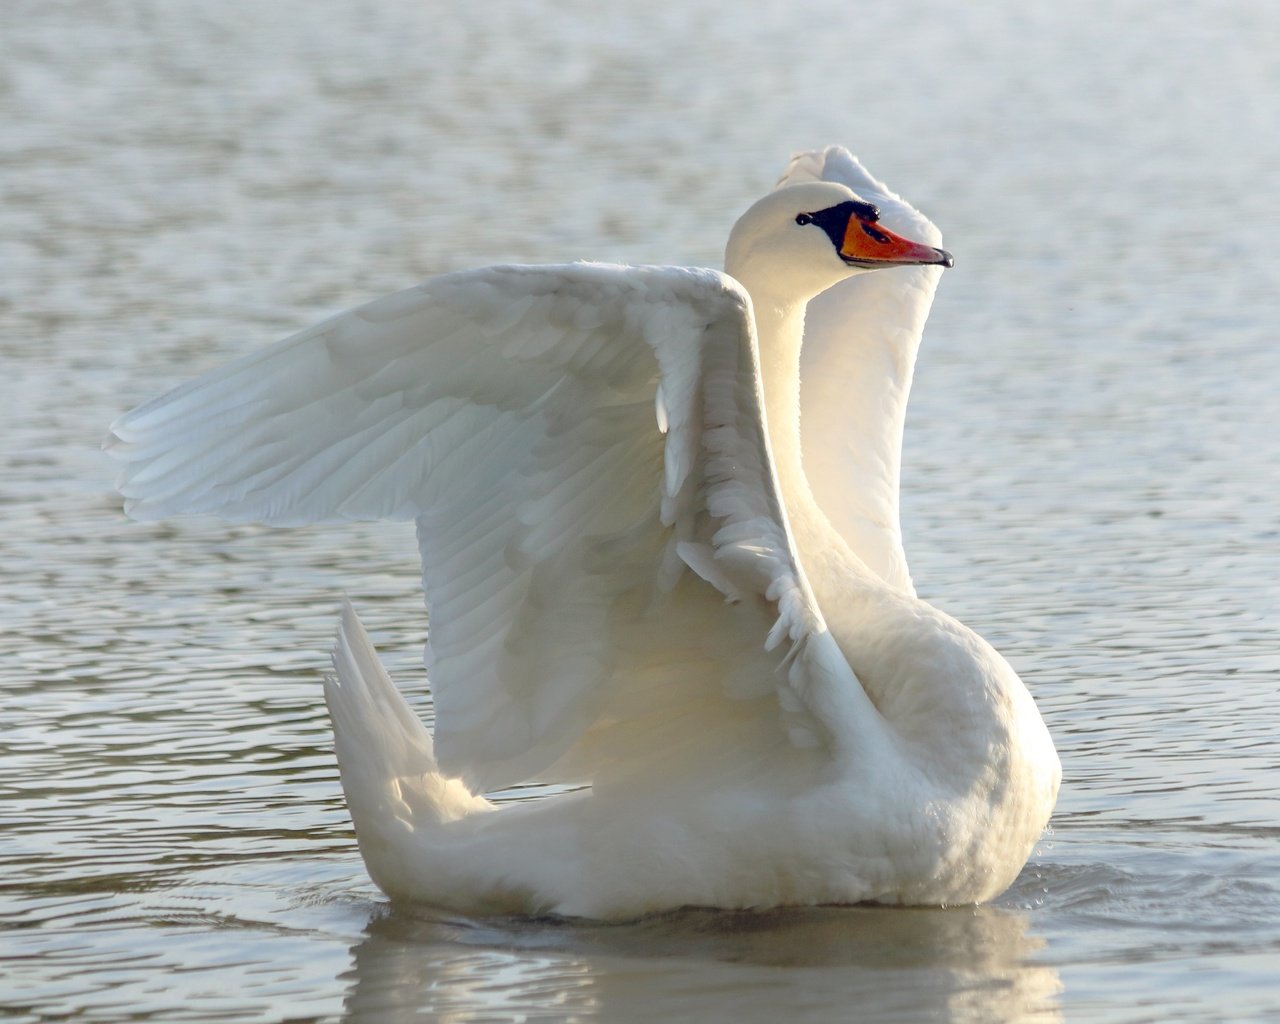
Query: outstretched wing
{"x": 570, "y": 440}
{"x": 860, "y": 344}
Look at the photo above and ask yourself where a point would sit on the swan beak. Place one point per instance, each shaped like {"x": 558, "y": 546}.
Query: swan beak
{"x": 867, "y": 244}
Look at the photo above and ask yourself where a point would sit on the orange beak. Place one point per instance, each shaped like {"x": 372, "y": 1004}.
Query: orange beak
{"x": 867, "y": 244}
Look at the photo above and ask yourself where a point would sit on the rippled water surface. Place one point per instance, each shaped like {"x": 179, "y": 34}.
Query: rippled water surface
{"x": 1090, "y": 477}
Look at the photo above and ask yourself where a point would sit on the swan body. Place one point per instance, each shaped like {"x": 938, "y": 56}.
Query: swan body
{"x": 641, "y": 574}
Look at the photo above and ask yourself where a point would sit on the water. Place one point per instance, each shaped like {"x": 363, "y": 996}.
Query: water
{"x": 1090, "y": 477}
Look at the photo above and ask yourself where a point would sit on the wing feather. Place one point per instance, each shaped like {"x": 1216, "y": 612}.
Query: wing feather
{"x": 569, "y": 440}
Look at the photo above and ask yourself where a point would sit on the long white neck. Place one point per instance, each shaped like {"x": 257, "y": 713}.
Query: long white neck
{"x": 860, "y": 345}
{"x": 832, "y": 567}
{"x": 780, "y": 329}
{"x": 837, "y": 375}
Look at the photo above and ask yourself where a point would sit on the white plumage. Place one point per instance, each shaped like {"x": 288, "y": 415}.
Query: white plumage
{"x": 634, "y": 580}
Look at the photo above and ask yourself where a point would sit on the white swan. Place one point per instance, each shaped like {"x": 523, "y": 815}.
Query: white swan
{"x": 663, "y": 605}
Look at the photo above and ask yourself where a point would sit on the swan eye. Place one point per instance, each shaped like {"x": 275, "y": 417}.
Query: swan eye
{"x": 804, "y": 218}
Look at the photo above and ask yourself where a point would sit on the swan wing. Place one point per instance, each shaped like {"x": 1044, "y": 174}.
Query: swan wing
{"x": 569, "y": 440}
{"x": 860, "y": 344}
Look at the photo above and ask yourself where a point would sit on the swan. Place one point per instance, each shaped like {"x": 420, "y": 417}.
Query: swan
{"x": 646, "y": 576}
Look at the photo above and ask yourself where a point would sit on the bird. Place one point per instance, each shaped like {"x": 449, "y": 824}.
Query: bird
{"x": 657, "y": 514}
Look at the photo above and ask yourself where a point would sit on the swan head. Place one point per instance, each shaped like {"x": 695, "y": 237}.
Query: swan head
{"x": 800, "y": 240}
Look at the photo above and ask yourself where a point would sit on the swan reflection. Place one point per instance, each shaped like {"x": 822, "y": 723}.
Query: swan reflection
{"x": 801, "y": 964}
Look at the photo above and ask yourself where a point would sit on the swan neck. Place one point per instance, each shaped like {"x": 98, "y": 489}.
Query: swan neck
{"x": 780, "y": 327}
{"x": 859, "y": 356}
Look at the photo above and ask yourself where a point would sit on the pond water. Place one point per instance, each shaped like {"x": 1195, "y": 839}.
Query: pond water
{"x": 1090, "y": 477}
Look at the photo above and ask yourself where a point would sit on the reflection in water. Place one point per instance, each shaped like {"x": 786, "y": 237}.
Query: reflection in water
{"x": 796, "y": 964}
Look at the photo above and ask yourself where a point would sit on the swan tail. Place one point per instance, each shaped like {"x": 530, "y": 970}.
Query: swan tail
{"x": 376, "y": 733}
{"x": 394, "y": 789}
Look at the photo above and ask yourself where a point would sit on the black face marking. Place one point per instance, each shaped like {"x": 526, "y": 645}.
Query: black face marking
{"x": 835, "y": 219}
{"x": 865, "y": 211}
